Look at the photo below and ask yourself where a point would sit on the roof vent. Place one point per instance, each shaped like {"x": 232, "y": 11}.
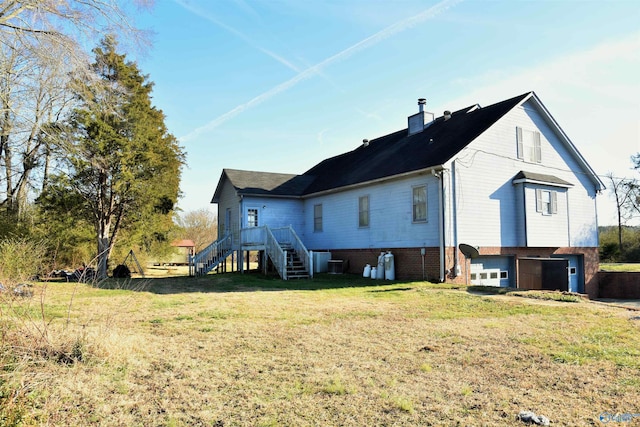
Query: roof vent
{"x": 447, "y": 114}
{"x": 418, "y": 122}
{"x": 421, "y": 104}
{"x": 365, "y": 142}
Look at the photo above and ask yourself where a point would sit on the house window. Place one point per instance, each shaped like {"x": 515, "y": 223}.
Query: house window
{"x": 529, "y": 147}
{"x": 546, "y": 201}
{"x": 474, "y": 276}
{"x": 363, "y": 211}
{"x": 317, "y": 218}
{"x": 252, "y": 217}
{"x": 504, "y": 274}
{"x": 420, "y": 203}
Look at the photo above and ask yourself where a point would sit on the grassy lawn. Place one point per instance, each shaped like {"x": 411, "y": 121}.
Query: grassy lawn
{"x": 619, "y": 267}
{"x": 246, "y": 350}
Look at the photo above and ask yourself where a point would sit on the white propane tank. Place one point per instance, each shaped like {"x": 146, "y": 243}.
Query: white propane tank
{"x": 367, "y": 271}
{"x": 373, "y": 273}
{"x": 380, "y": 272}
{"x": 389, "y": 268}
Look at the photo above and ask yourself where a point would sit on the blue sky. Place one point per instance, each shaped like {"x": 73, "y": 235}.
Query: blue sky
{"x": 280, "y": 85}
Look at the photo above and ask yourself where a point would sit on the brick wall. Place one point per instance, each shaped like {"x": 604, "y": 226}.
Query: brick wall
{"x": 408, "y": 262}
{"x": 619, "y": 285}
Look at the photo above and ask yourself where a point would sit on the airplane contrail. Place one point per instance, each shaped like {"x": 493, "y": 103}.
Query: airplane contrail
{"x": 317, "y": 68}
{"x": 236, "y": 33}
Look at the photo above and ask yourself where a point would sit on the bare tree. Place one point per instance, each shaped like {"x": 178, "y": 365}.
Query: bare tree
{"x": 626, "y": 194}
{"x": 200, "y": 225}
{"x": 42, "y": 44}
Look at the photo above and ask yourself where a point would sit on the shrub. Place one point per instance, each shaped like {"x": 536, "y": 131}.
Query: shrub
{"x": 20, "y": 260}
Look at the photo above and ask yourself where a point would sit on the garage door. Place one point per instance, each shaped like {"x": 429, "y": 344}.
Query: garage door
{"x": 492, "y": 271}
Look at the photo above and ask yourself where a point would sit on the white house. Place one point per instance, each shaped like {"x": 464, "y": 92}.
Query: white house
{"x": 504, "y": 180}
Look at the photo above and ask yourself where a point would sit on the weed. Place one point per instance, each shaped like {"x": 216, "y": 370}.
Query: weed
{"x": 425, "y": 367}
{"x": 404, "y": 404}
{"x": 466, "y": 390}
{"x": 335, "y": 386}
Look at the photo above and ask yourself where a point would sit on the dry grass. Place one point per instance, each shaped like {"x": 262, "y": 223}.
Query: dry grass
{"x": 244, "y": 350}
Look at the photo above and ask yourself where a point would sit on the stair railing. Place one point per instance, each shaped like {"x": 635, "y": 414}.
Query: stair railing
{"x": 208, "y": 258}
{"x": 288, "y": 235}
{"x": 276, "y": 253}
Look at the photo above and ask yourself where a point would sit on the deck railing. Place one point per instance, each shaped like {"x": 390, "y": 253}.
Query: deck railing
{"x": 253, "y": 236}
{"x": 271, "y": 240}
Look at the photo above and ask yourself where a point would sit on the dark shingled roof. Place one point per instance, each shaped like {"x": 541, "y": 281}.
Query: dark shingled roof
{"x": 399, "y": 152}
{"x": 265, "y": 183}
{"x": 523, "y": 175}
{"x": 394, "y": 154}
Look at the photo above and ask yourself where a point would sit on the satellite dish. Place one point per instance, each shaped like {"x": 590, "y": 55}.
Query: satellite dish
{"x": 468, "y": 250}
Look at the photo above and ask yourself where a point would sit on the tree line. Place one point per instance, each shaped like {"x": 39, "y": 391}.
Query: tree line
{"x": 87, "y": 165}
{"x": 621, "y": 243}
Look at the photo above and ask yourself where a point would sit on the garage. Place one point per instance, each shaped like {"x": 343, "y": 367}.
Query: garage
{"x": 543, "y": 273}
{"x": 496, "y": 271}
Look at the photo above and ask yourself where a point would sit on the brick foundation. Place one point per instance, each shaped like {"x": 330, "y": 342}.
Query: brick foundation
{"x": 409, "y": 262}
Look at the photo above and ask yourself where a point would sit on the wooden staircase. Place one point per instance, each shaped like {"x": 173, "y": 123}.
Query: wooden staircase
{"x": 210, "y": 257}
{"x": 295, "y": 266}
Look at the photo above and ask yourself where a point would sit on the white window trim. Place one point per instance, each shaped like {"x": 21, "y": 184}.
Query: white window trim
{"x": 426, "y": 205}
{"x": 553, "y": 201}
{"x": 257, "y": 216}
{"x": 537, "y": 146}
{"x": 316, "y": 228}
{"x": 368, "y": 211}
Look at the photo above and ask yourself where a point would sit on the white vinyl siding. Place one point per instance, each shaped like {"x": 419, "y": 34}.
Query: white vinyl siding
{"x": 317, "y": 218}
{"x": 529, "y": 145}
{"x": 420, "y": 203}
{"x": 363, "y": 211}
{"x": 491, "y": 211}
{"x": 390, "y": 217}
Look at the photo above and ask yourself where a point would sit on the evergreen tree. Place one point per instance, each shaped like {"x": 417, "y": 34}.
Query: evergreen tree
{"x": 122, "y": 161}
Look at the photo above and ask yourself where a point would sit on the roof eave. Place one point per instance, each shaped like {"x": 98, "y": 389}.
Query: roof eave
{"x": 423, "y": 171}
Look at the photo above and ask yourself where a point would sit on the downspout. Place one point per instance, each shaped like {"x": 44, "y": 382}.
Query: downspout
{"x": 568, "y": 219}
{"x": 240, "y": 260}
{"x": 454, "y": 208}
{"x": 439, "y": 176}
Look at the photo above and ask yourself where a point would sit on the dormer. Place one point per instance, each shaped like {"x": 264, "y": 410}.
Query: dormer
{"x": 418, "y": 122}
